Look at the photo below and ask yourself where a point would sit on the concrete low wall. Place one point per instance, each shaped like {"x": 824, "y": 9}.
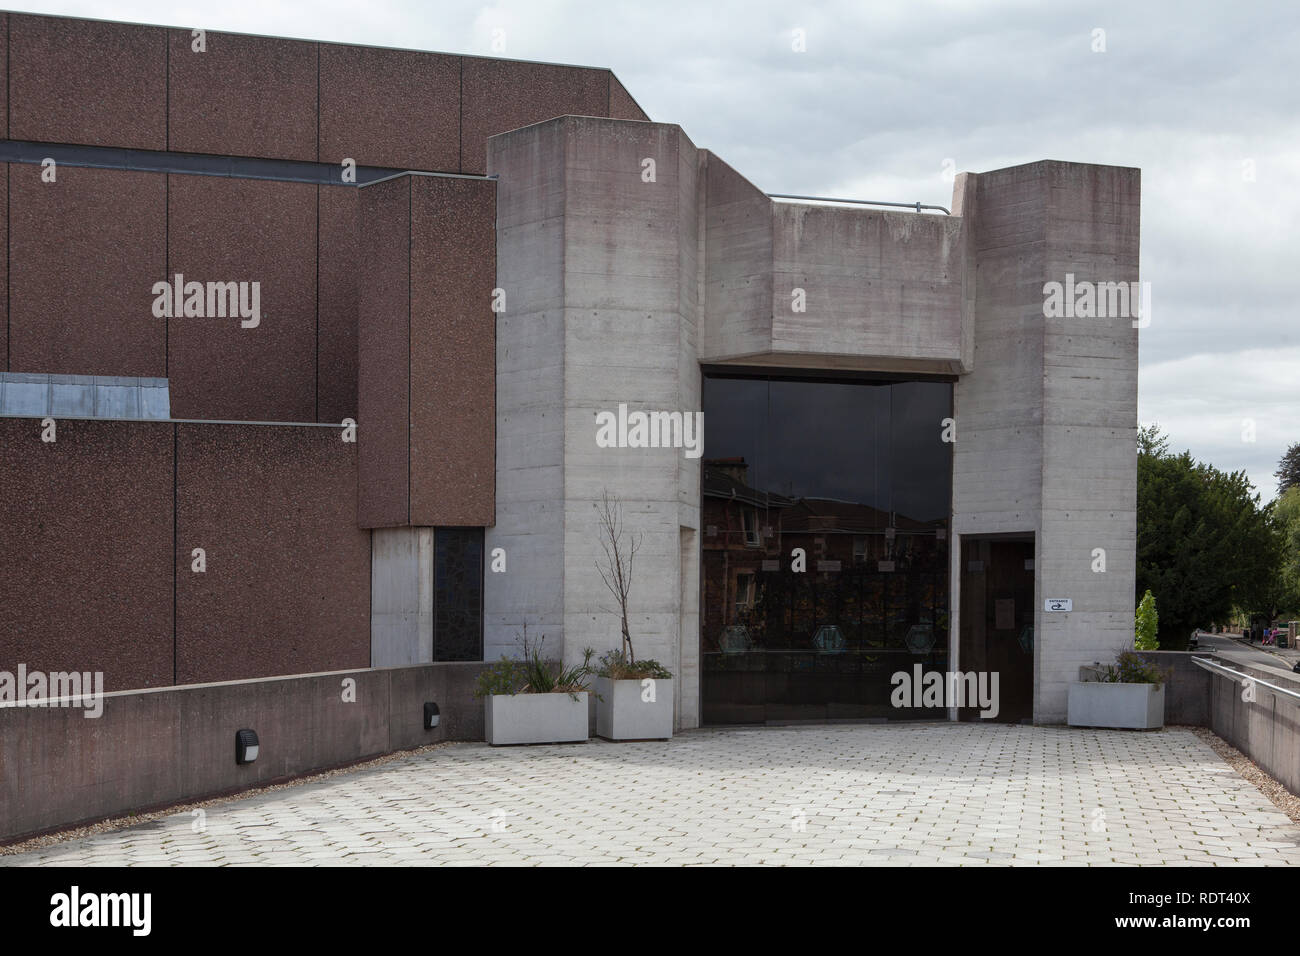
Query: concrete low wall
{"x": 158, "y": 747}
{"x": 1187, "y": 691}
{"x": 1267, "y": 730}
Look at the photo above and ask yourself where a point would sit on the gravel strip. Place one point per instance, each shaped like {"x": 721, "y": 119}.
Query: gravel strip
{"x": 121, "y": 823}
{"x": 1280, "y": 796}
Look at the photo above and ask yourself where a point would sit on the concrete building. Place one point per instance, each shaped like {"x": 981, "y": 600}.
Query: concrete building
{"x": 474, "y": 262}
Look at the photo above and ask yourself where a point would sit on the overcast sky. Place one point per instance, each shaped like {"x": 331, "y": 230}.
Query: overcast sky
{"x": 1203, "y": 96}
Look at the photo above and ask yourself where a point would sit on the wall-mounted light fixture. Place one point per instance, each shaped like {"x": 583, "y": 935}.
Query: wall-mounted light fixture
{"x": 245, "y": 746}
{"x": 430, "y": 716}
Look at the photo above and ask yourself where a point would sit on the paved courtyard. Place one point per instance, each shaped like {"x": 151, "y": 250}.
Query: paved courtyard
{"x": 893, "y": 795}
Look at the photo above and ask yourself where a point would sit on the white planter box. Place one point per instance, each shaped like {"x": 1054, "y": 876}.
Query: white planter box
{"x": 535, "y": 718}
{"x": 1130, "y": 706}
{"x": 622, "y": 714}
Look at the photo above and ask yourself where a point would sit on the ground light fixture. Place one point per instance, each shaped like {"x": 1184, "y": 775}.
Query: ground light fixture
{"x": 430, "y": 716}
{"x": 246, "y": 746}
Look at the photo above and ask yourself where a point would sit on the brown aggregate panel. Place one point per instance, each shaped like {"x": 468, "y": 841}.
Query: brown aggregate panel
{"x": 394, "y": 108}
{"x": 501, "y": 95}
{"x": 621, "y": 104}
{"x": 4, "y": 268}
{"x": 244, "y": 96}
{"x": 86, "y": 251}
{"x": 453, "y": 352}
{"x": 86, "y": 550}
{"x": 384, "y": 355}
{"x": 244, "y": 230}
{"x": 287, "y": 584}
{"x": 336, "y": 360}
{"x": 86, "y": 82}
{"x": 4, "y": 68}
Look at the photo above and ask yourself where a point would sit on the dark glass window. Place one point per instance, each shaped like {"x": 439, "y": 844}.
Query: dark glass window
{"x": 856, "y": 476}
{"x": 458, "y": 594}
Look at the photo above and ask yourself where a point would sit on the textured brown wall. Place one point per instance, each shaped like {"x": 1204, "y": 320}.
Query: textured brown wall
{"x": 4, "y": 268}
{"x": 245, "y": 230}
{"x": 453, "y": 351}
{"x": 85, "y": 550}
{"x": 4, "y": 67}
{"x": 501, "y": 95}
{"x": 85, "y": 252}
{"x": 392, "y": 108}
{"x": 87, "y": 249}
{"x": 338, "y": 268}
{"x": 244, "y": 96}
{"x": 384, "y": 355}
{"x": 287, "y": 585}
{"x": 621, "y": 104}
{"x": 115, "y": 84}
{"x": 81, "y": 81}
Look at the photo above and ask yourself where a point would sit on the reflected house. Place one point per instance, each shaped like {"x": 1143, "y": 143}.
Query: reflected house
{"x": 819, "y": 643}
{"x": 751, "y": 534}
{"x": 741, "y": 542}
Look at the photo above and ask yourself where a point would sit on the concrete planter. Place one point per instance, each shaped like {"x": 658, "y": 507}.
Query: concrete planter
{"x": 535, "y": 718}
{"x": 622, "y": 714}
{"x": 1128, "y": 706}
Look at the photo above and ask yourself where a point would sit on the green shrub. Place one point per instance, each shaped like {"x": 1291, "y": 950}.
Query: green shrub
{"x": 505, "y": 676}
{"x": 1147, "y": 624}
{"x": 531, "y": 674}
{"x": 1129, "y": 668}
{"x": 616, "y": 666}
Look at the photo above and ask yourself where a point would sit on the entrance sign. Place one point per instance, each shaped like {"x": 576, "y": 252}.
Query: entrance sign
{"x": 1058, "y": 604}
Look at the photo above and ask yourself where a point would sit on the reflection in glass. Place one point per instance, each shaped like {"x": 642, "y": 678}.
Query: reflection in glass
{"x": 825, "y": 552}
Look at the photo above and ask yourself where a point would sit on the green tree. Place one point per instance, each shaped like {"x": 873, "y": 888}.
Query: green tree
{"x": 1151, "y": 441}
{"x": 1203, "y": 542}
{"x": 1286, "y": 520}
{"x": 1146, "y": 624}
{"x": 1250, "y": 537}
{"x": 1288, "y": 470}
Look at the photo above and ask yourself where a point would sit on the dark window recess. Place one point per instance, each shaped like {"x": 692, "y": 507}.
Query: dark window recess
{"x": 458, "y": 594}
{"x": 199, "y": 164}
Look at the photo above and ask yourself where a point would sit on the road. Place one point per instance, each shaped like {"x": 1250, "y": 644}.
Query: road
{"x": 1236, "y": 649}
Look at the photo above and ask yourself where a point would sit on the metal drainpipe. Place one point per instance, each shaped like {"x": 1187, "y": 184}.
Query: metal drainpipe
{"x": 861, "y": 202}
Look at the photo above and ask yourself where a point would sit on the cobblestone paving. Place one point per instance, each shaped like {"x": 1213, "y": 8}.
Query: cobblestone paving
{"x": 917, "y": 795}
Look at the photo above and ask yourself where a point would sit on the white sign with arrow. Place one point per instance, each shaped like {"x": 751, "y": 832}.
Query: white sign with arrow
{"x": 1058, "y": 604}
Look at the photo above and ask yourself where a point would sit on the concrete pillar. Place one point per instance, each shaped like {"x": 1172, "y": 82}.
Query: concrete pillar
{"x": 1047, "y": 414}
{"x": 599, "y": 263}
{"x": 401, "y": 596}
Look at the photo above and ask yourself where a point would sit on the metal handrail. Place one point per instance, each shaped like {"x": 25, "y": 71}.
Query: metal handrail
{"x": 1206, "y": 664}
{"x": 861, "y": 202}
